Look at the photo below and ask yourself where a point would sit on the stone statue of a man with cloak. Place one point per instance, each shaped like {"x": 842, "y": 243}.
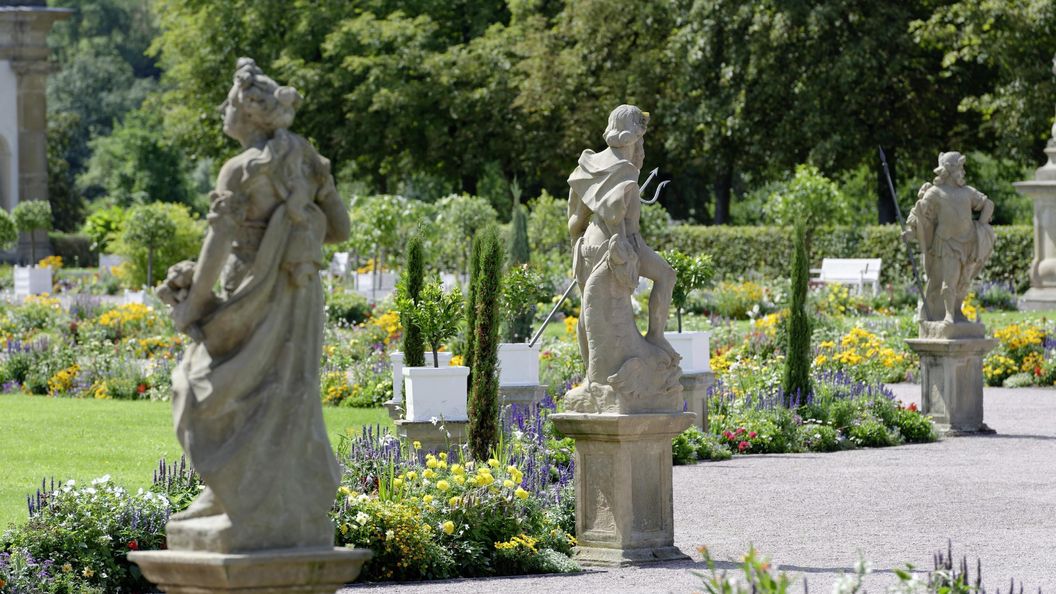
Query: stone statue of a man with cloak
{"x": 956, "y": 246}
{"x": 626, "y": 372}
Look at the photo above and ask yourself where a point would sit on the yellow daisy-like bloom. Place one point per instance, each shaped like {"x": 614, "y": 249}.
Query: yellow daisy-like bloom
{"x": 521, "y": 493}
{"x": 431, "y": 463}
{"x": 459, "y": 479}
{"x": 457, "y": 469}
{"x": 397, "y": 483}
{"x": 443, "y": 456}
{"x": 441, "y": 464}
{"x": 449, "y": 527}
{"x": 453, "y": 502}
{"x": 442, "y": 485}
{"x": 493, "y": 463}
{"x": 417, "y": 444}
{"x": 429, "y": 473}
{"x": 412, "y": 475}
{"x": 87, "y": 572}
{"x": 427, "y": 499}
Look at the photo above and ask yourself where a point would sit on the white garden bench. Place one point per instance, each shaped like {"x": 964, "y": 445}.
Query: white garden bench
{"x": 857, "y": 272}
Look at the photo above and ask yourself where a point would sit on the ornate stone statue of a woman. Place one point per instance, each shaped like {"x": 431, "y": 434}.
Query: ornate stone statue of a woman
{"x": 626, "y": 372}
{"x": 246, "y": 393}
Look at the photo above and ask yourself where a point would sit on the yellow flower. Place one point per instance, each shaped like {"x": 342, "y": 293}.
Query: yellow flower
{"x": 521, "y": 493}
{"x": 456, "y": 361}
{"x": 449, "y": 527}
{"x": 457, "y": 469}
{"x": 427, "y": 499}
{"x": 508, "y": 484}
{"x": 417, "y": 444}
{"x": 344, "y": 490}
{"x": 429, "y": 473}
{"x": 453, "y": 502}
{"x": 397, "y": 483}
{"x": 442, "y": 485}
{"x": 443, "y": 456}
{"x": 571, "y": 322}
{"x": 459, "y": 479}
{"x": 87, "y": 572}
{"x": 493, "y": 463}
{"x": 431, "y": 462}
{"x": 67, "y": 568}
{"x": 412, "y": 475}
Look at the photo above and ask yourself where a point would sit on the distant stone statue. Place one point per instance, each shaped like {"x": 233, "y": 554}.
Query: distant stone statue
{"x": 626, "y": 372}
{"x": 246, "y": 393}
{"x": 955, "y": 245}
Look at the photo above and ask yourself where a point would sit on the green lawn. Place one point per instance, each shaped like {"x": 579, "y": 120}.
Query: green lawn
{"x": 83, "y": 439}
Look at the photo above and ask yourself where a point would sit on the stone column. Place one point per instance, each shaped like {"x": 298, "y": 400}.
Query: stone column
{"x": 695, "y": 389}
{"x": 951, "y": 382}
{"x": 23, "y": 41}
{"x": 1042, "y": 190}
{"x": 623, "y": 485}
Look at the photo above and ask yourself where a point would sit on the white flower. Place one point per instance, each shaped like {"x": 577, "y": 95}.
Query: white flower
{"x": 90, "y": 490}
{"x": 103, "y": 479}
{"x": 389, "y": 534}
{"x": 71, "y": 483}
{"x": 362, "y": 518}
{"x": 434, "y": 420}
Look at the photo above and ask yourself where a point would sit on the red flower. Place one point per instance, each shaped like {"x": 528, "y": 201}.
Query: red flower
{"x": 141, "y": 388}
{"x": 133, "y": 545}
{"x": 1037, "y": 371}
{"x": 912, "y": 407}
{"x": 752, "y": 435}
{"x": 740, "y": 430}
{"x": 728, "y": 435}
{"x": 744, "y": 445}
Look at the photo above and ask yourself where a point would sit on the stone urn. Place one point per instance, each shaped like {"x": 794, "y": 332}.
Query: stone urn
{"x": 32, "y": 280}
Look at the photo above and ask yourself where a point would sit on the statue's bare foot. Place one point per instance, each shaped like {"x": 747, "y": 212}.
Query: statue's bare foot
{"x": 203, "y": 505}
{"x": 948, "y": 319}
{"x": 658, "y": 340}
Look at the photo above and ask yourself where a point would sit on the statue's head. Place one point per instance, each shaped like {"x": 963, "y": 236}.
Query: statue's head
{"x": 257, "y": 103}
{"x": 627, "y": 127}
{"x": 950, "y": 169}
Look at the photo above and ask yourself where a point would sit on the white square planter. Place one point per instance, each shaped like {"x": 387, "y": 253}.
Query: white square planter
{"x": 396, "y": 359}
{"x": 31, "y": 280}
{"x": 694, "y": 348}
{"x": 139, "y": 297}
{"x": 107, "y": 262}
{"x": 518, "y": 364}
{"x": 436, "y": 392}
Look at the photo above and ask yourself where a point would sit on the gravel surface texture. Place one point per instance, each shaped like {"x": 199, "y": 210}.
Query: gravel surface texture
{"x": 994, "y": 497}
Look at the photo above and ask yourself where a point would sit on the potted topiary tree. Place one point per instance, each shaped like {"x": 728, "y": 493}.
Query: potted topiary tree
{"x": 522, "y": 289}
{"x": 691, "y": 273}
{"x": 436, "y": 391}
{"x": 29, "y": 217}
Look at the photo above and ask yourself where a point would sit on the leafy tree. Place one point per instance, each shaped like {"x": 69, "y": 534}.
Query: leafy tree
{"x": 691, "y": 273}
{"x": 796, "y": 377}
{"x": 483, "y": 407}
{"x": 8, "y": 231}
{"x": 522, "y": 290}
{"x": 146, "y": 265}
{"x": 148, "y": 227}
{"x": 518, "y": 250}
{"x": 476, "y": 255}
{"x": 809, "y": 198}
{"x": 436, "y": 313}
{"x": 461, "y": 217}
{"x": 67, "y": 205}
{"x": 411, "y": 284}
{"x": 31, "y": 216}
{"x": 134, "y": 163}
{"x": 103, "y": 226}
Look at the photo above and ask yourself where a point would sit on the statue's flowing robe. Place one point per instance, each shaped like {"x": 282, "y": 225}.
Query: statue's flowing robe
{"x": 246, "y": 396}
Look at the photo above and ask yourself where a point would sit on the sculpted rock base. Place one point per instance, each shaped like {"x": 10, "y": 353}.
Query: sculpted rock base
{"x": 522, "y": 396}
{"x": 287, "y": 571}
{"x": 623, "y": 486}
{"x": 951, "y": 382}
{"x": 695, "y": 392}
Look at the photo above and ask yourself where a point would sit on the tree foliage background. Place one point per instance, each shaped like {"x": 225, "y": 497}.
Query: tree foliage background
{"x": 425, "y": 98}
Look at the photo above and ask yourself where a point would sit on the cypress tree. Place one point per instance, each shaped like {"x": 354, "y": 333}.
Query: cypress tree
{"x": 413, "y": 343}
{"x": 483, "y": 406}
{"x": 471, "y": 306}
{"x": 796, "y": 380}
{"x": 518, "y": 250}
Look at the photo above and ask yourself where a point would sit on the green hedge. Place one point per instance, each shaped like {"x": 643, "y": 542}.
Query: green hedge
{"x": 767, "y": 251}
{"x": 76, "y": 250}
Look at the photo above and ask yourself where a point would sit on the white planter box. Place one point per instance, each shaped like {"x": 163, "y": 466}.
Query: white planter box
{"x": 694, "y": 348}
{"x": 436, "y": 392}
{"x": 31, "y": 280}
{"x": 396, "y": 359}
{"x": 139, "y": 297}
{"x": 518, "y": 364}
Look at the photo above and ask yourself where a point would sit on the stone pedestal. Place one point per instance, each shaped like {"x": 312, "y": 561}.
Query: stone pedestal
{"x": 440, "y": 437}
{"x": 623, "y": 485}
{"x": 951, "y": 382}
{"x": 695, "y": 391}
{"x": 1042, "y": 190}
{"x": 300, "y": 571}
{"x": 521, "y": 396}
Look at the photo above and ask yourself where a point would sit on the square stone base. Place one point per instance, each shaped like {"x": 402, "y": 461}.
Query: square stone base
{"x": 1038, "y": 299}
{"x": 951, "y": 382}
{"x": 288, "y": 571}
{"x": 695, "y": 391}
{"x": 522, "y": 396}
{"x": 623, "y": 485}
{"x": 440, "y": 437}
{"x": 394, "y": 408}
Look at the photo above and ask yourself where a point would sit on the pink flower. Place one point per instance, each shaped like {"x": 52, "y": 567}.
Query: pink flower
{"x": 744, "y": 445}
{"x": 740, "y": 430}
{"x": 752, "y": 435}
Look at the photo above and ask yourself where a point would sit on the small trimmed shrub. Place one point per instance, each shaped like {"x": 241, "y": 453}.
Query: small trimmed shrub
{"x": 347, "y": 308}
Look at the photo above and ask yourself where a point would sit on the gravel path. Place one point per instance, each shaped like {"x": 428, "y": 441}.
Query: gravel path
{"x": 994, "y": 497}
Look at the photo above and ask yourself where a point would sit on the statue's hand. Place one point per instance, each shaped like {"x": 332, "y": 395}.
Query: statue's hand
{"x": 908, "y": 235}
{"x": 185, "y": 314}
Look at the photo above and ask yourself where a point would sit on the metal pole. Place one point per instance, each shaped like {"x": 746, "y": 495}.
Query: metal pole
{"x": 902, "y": 225}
